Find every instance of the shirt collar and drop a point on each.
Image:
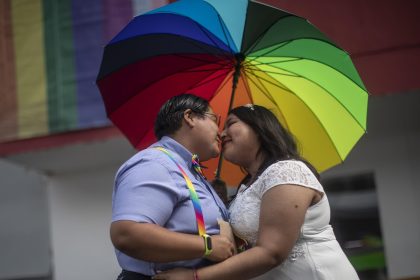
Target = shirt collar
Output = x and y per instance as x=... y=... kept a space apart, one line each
x=182 y=153
x=172 y=145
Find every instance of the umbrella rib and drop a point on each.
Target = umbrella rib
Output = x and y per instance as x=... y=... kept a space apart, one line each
x=329 y=93
x=203 y=60
x=302 y=38
x=303 y=58
x=316 y=116
x=273 y=72
x=206 y=70
x=262 y=35
x=314 y=60
x=264 y=90
x=248 y=91
x=269 y=51
x=288 y=42
x=153 y=82
x=200 y=83
x=214 y=42
x=221 y=86
x=225 y=65
x=285 y=119
x=275 y=62
x=261 y=87
x=224 y=33
x=264 y=79
x=221 y=54
x=268 y=28
x=252 y=67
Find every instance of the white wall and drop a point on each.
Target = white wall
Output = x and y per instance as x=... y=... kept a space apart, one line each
x=25 y=248
x=74 y=208
x=80 y=206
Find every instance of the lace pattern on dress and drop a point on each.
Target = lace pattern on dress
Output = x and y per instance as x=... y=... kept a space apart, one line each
x=296 y=252
x=245 y=209
x=288 y=172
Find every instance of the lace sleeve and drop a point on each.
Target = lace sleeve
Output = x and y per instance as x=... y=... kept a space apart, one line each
x=288 y=172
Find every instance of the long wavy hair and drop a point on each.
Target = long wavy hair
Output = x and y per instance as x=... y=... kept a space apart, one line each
x=276 y=142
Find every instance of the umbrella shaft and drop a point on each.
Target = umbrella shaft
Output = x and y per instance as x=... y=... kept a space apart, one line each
x=219 y=166
x=239 y=57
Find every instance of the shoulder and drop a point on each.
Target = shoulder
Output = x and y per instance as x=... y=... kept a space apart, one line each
x=288 y=166
x=148 y=161
x=293 y=172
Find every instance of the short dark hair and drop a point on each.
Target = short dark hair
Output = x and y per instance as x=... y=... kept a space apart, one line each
x=277 y=143
x=169 y=118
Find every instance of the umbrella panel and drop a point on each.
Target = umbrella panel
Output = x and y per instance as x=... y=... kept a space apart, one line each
x=136 y=116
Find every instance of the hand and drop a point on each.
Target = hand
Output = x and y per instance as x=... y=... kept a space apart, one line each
x=175 y=274
x=223 y=248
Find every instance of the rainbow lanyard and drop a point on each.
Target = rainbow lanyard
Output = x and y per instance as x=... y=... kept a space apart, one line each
x=193 y=194
x=196 y=165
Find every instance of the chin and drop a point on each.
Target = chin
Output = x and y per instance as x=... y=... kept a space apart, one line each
x=215 y=154
x=210 y=155
x=227 y=157
x=216 y=150
x=231 y=157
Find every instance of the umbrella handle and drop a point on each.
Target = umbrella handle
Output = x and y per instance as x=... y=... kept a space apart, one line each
x=219 y=166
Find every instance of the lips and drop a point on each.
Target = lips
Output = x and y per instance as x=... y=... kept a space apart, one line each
x=225 y=141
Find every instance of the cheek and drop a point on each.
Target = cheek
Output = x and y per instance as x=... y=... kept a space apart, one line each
x=251 y=142
x=208 y=135
x=245 y=144
x=236 y=142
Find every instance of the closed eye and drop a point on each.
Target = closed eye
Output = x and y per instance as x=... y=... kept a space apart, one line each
x=229 y=123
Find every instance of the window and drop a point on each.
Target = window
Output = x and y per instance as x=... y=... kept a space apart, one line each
x=355 y=219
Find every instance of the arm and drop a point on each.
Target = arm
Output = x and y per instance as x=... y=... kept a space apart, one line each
x=283 y=210
x=144 y=200
x=154 y=243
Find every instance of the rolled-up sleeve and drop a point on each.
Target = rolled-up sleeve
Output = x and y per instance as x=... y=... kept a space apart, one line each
x=144 y=192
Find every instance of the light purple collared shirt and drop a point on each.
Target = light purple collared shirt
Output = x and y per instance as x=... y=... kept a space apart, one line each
x=149 y=188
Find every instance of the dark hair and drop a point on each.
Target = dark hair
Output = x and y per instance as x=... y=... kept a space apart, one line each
x=277 y=143
x=169 y=118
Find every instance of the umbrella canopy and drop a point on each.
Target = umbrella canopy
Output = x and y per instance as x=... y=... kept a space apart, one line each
x=232 y=53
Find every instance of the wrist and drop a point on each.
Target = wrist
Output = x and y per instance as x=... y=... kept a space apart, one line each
x=208 y=246
x=195 y=275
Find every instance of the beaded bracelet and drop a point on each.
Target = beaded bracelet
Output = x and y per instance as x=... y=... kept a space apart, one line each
x=195 y=275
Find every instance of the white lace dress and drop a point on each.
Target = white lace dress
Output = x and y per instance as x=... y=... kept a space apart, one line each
x=316 y=255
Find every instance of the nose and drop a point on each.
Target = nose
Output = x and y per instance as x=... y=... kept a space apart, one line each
x=223 y=134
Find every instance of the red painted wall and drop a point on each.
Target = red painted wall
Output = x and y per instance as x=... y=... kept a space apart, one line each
x=383 y=37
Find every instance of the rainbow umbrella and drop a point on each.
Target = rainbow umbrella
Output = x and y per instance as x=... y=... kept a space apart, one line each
x=232 y=53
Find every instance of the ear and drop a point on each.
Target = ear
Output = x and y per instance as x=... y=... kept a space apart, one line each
x=188 y=118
